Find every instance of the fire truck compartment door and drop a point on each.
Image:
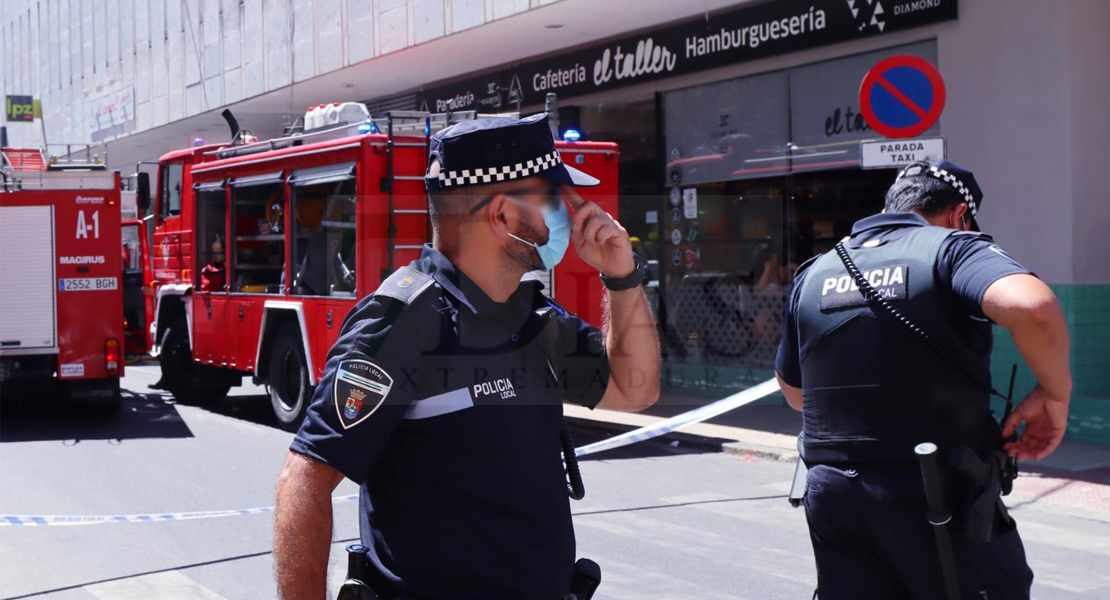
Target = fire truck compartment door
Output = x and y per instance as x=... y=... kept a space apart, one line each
x=28 y=310
x=324 y=174
x=263 y=179
x=209 y=186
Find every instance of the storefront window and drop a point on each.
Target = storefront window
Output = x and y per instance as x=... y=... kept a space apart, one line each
x=735 y=129
x=763 y=174
x=724 y=273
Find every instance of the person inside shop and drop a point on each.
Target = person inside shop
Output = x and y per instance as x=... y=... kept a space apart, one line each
x=443 y=395
x=872 y=388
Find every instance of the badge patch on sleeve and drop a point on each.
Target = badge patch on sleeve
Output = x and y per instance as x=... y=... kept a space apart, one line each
x=360 y=388
x=842 y=291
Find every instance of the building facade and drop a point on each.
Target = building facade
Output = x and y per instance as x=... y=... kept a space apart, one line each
x=739 y=122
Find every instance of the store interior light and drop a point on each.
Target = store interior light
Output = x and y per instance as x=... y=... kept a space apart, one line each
x=571 y=135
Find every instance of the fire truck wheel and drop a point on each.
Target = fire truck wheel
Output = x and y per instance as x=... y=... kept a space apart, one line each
x=290 y=390
x=186 y=380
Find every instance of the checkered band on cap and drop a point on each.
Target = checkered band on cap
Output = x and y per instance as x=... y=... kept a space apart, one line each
x=518 y=170
x=952 y=180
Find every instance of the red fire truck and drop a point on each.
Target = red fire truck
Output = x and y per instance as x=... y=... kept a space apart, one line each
x=61 y=298
x=262 y=248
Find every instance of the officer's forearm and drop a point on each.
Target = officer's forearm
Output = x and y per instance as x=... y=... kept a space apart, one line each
x=633 y=347
x=303 y=528
x=1027 y=307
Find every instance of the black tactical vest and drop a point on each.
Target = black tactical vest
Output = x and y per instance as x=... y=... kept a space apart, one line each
x=871 y=391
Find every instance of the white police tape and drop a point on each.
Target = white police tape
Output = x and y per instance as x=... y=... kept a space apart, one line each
x=625 y=439
x=19 y=520
x=686 y=419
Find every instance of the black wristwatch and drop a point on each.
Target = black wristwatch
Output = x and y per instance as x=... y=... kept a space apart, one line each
x=629 y=282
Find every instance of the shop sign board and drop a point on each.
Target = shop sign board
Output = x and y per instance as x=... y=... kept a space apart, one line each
x=21 y=108
x=113 y=109
x=887 y=154
x=736 y=36
x=902 y=96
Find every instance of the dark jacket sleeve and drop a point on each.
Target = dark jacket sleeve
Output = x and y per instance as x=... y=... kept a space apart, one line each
x=584 y=366
x=361 y=398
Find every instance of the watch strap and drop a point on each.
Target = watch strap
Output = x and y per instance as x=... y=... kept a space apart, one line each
x=626 y=283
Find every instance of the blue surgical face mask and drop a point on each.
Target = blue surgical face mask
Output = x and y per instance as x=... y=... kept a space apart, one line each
x=557 y=221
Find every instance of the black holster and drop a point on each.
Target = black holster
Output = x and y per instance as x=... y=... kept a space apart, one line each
x=586 y=579
x=355 y=587
x=979 y=485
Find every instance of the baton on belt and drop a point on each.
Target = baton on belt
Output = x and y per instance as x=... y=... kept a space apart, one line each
x=938 y=516
x=798 y=486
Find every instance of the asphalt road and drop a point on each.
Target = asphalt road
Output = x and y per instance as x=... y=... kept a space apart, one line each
x=663 y=522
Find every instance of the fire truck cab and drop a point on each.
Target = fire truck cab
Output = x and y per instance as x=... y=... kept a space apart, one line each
x=61 y=302
x=262 y=248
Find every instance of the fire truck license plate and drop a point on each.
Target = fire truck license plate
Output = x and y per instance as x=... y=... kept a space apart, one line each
x=87 y=284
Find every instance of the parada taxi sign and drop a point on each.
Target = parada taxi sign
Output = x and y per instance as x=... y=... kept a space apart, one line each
x=891 y=154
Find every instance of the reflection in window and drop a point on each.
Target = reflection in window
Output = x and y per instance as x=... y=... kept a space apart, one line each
x=324 y=238
x=258 y=252
x=171 y=189
x=210 y=237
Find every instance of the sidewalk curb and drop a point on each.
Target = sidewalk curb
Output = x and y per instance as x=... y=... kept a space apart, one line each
x=767 y=452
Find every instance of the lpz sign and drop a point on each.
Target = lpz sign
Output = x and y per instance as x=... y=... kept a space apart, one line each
x=20 y=108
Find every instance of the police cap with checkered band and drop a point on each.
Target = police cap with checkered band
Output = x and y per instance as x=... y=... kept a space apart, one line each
x=495 y=150
x=958 y=178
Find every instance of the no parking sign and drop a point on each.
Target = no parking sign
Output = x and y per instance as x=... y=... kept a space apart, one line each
x=902 y=96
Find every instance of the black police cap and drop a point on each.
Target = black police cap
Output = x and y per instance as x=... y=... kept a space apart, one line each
x=494 y=150
x=959 y=178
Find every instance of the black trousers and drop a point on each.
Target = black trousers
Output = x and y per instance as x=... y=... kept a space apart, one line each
x=871 y=541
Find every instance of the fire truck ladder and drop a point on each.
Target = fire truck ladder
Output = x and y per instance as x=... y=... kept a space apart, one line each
x=408 y=123
x=30 y=168
x=400 y=122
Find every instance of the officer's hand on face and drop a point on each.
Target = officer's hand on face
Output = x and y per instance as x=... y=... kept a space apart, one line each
x=598 y=238
x=1046 y=420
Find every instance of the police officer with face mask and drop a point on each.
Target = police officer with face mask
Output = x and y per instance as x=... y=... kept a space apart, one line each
x=443 y=395
x=871 y=387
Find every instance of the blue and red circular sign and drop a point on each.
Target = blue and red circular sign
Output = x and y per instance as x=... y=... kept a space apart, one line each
x=902 y=96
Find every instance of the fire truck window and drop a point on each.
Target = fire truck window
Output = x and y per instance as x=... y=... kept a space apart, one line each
x=324 y=239
x=171 y=190
x=132 y=249
x=258 y=251
x=211 y=239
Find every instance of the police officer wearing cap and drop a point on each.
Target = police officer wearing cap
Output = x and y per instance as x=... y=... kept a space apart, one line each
x=443 y=395
x=870 y=389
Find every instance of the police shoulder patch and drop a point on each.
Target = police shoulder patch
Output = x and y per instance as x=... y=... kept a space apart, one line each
x=360 y=389
x=405 y=284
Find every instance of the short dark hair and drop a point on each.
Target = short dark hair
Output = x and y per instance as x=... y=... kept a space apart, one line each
x=922 y=194
x=454 y=204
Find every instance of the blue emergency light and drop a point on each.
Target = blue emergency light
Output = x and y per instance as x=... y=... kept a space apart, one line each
x=571 y=135
x=367 y=127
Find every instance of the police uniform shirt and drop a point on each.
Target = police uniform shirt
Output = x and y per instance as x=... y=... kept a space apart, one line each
x=446 y=412
x=967 y=264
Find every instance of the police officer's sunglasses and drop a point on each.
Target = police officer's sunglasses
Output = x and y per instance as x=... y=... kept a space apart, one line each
x=554 y=196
